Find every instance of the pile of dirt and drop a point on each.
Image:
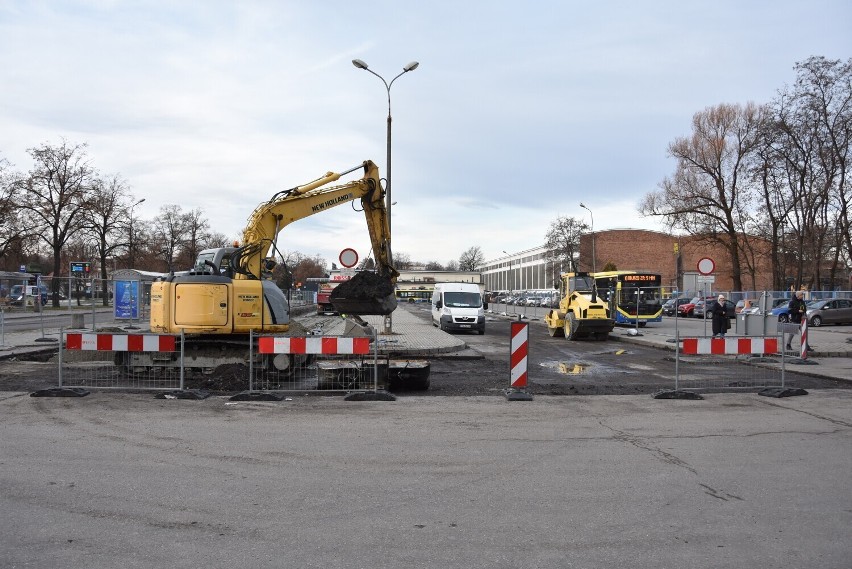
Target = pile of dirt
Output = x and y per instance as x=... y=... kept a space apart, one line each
x=365 y=293
x=364 y=285
x=226 y=378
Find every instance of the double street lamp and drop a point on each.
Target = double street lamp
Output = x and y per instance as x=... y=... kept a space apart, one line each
x=594 y=264
x=410 y=67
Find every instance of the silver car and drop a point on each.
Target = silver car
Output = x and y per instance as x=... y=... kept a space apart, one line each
x=833 y=311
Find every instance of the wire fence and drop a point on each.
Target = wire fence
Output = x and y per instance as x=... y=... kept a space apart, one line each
x=704 y=364
x=268 y=363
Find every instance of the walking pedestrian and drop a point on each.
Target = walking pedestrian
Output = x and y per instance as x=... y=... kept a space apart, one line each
x=719 y=313
x=797 y=309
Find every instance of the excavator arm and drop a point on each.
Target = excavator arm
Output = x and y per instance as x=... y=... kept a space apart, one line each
x=300 y=202
x=366 y=293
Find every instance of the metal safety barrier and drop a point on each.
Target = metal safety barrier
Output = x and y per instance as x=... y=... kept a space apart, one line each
x=268 y=363
x=316 y=363
x=732 y=363
x=121 y=361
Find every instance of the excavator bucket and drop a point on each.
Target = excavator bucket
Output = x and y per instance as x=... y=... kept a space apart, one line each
x=365 y=293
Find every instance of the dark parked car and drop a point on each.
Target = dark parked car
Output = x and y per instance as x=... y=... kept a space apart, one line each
x=730 y=309
x=671 y=305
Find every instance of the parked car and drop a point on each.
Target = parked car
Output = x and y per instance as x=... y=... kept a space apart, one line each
x=700 y=310
x=730 y=309
x=783 y=311
x=745 y=305
x=671 y=305
x=685 y=309
x=833 y=311
x=688 y=308
x=550 y=300
x=773 y=304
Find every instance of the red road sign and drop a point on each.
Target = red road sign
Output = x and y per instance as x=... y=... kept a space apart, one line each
x=348 y=257
x=706 y=266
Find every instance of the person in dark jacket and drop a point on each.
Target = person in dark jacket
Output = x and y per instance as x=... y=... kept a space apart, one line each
x=719 y=314
x=797 y=308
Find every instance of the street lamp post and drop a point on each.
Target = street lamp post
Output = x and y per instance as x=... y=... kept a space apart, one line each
x=130 y=244
x=594 y=263
x=388 y=321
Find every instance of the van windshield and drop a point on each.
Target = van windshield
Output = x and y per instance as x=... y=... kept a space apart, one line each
x=462 y=299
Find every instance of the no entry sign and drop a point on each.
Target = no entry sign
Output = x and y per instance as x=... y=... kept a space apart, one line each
x=706 y=266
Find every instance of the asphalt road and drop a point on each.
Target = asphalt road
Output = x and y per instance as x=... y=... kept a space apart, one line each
x=118 y=480
x=469 y=481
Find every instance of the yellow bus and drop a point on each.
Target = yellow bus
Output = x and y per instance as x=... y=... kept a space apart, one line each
x=625 y=290
x=419 y=293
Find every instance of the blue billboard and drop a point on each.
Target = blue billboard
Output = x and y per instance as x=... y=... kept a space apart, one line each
x=127 y=299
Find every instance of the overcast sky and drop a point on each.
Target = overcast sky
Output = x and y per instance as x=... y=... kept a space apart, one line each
x=516 y=114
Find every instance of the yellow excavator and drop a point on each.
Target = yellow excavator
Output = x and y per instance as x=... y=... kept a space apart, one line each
x=227 y=293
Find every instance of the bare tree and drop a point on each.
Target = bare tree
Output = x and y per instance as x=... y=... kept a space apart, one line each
x=401 y=261
x=471 y=259
x=197 y=230
x=562 y=239
x=215 y=239
x=170 y=233
x=309 y=267
x=11 y=228
x=823 y=92
x=54 y=196
x=297 y=268
x=708 y=195
x=104 y=221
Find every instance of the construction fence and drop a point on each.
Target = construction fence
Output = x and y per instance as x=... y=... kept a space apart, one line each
x=263 y=363
x=706 y=364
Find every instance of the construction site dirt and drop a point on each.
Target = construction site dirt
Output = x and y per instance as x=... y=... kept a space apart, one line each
x=588 y=368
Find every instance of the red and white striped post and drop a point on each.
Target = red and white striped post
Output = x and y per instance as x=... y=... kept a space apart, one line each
x=730 y=346
x=518 y=360
x=803 y=349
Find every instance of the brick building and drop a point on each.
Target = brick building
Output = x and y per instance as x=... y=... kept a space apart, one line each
x=675 y=258
x=672 y=257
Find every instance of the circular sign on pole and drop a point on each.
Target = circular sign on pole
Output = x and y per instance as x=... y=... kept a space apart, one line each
x=348 y=258
x=706 y=266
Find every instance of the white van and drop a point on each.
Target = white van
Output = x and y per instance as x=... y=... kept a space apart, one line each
x=458 y=306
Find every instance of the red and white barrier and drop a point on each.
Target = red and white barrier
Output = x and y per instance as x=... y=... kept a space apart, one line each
x=519 y=352
x=803 y=348
x=730 y=346
x=121 y=342
x=327 y=345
